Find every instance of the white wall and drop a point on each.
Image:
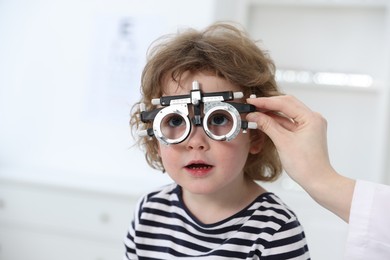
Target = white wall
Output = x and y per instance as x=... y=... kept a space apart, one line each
x=68 y=78
x=340 y=37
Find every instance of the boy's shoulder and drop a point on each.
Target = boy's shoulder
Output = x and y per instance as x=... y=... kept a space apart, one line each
x=269 y=201
x=162 y=191
x=168 y=193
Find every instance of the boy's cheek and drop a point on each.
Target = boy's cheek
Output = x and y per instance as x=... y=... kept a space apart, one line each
x=159 y=149
x=162 y=149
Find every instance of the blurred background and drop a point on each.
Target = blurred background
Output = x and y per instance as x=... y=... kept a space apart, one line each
x=69 y=74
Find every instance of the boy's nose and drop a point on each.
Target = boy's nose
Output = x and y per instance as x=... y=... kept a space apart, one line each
x=197 y=140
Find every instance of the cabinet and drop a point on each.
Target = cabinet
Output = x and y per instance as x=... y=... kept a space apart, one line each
x=42 y=222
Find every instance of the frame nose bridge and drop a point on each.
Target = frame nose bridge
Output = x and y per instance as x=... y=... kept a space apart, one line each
x=195 y=114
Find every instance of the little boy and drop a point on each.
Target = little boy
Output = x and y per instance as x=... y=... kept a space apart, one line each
x=191 y=123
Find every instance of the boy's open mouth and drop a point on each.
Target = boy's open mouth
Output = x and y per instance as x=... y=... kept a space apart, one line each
x=198 y=166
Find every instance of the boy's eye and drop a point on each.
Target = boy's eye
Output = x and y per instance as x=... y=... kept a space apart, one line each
x=218 y=120
x=175 y=121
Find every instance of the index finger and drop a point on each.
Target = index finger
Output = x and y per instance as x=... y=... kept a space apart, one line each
x=287 y=105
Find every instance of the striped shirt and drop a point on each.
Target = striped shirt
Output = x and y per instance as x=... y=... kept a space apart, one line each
x=164 y=229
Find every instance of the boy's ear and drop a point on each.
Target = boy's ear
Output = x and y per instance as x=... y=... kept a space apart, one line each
x=257 y=141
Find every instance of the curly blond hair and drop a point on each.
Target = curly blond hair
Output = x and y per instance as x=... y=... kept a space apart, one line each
x=225 y=50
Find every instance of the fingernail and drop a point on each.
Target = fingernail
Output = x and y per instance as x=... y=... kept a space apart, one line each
x=252 y=116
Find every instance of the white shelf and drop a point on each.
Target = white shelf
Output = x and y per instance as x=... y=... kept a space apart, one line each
x=321 y=3
x=374 y=89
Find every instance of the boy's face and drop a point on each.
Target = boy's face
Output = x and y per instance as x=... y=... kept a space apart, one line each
x=199 y=164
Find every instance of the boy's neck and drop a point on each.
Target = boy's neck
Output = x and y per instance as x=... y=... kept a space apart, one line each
x=212 y=208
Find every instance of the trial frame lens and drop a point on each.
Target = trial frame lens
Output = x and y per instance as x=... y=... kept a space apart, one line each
x=171 y=124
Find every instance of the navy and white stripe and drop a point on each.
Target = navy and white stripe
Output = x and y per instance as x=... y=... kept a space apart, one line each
x=164 y=229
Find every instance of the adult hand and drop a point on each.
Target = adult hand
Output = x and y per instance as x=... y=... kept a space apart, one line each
x=300 y=137
x=298 y=133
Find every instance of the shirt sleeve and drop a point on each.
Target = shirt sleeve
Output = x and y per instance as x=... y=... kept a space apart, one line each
x=130 y=237
x=289 y=242
x=369 y=223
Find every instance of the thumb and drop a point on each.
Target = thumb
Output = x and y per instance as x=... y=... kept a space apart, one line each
x=267 y=124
